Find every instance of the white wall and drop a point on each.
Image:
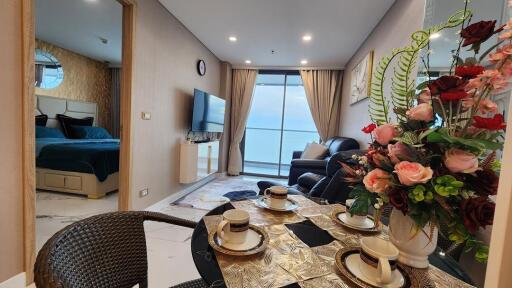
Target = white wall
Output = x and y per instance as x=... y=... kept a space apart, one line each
x=165 y=76
x=393 y=31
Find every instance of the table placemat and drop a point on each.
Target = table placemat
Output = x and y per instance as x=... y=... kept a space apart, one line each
x=288 y=260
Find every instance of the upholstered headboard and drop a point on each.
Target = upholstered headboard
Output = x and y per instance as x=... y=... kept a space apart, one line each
x=52 y=106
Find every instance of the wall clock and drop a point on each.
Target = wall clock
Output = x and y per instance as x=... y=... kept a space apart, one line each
x=361 y=77
x=201 y=67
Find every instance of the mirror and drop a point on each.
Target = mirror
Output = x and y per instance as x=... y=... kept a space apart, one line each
x=48 y=71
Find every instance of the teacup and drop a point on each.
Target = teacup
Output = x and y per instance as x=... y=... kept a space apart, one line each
x=234 y=226
x=378 y=259
x=277 y=196
x=356 y=220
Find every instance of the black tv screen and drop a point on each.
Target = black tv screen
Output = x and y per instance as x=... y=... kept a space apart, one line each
x=208 y=113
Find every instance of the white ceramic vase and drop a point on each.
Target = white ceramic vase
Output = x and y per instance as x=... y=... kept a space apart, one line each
x=414 y=245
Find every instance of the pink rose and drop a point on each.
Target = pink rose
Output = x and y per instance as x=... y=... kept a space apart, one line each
x=460 y=161
x=385 y=133
x=475 y=83
x=505 y=35
x=425 y=96
x=422 y=112
x=377 y=181
x=399 y=152
x=411 y=173
x=487 y=106
x=497 y=56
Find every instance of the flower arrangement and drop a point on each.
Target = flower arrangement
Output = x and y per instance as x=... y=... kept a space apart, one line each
x=439 y=172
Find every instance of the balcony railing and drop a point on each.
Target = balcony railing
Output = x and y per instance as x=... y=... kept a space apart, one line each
x=268 y=151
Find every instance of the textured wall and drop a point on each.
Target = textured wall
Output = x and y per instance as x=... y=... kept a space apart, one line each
x=85 y=79
x=165 y=76
x=11 y=196
x=394 y=30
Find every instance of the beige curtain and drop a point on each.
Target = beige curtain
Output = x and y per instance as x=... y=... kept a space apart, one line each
x=241 y=97
x=323 y=91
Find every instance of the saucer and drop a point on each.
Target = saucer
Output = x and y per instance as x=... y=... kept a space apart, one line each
x=340 y=217
x=290 y=205
x=256 y=241
x=348 y=262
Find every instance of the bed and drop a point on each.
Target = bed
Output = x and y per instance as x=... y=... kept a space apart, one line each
x=80 y=166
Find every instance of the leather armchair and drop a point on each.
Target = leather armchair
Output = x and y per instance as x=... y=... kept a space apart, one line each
x=318 y=166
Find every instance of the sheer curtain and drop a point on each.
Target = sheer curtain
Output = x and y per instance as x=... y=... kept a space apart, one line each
x=241 y=97
x=323 y=91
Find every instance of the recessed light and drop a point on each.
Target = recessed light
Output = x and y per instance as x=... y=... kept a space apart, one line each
x=306 y=38
x=304 y=62
x=435 y=35
x=248 y=62
x=232 y=38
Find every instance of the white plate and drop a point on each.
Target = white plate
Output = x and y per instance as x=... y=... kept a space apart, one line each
x=367 y=225
x=264 y=202
x=353 y=263
x=253 y=240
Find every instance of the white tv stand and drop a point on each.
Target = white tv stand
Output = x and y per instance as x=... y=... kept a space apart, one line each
x=198 y=160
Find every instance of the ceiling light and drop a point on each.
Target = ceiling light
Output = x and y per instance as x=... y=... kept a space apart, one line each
x=232 y=38
x=248 y=62
x=435 y=35
x=306 y=38
x=304 y=62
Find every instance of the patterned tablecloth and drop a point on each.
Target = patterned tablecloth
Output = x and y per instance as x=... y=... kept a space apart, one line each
x=288 y=260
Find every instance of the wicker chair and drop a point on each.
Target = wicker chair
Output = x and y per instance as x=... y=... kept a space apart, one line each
x=106 y=250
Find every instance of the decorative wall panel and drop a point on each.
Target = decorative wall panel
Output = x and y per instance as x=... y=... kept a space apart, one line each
x=85 y=79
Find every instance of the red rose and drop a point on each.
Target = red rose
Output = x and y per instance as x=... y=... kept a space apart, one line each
x=484 y=182
x=495 y=123
x=369 y=129
x=469 y=72
x=479 y=32
x=398 y=198
x=449 y=88
x=477 y=212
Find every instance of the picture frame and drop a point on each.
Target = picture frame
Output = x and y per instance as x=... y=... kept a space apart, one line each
x=361 y=79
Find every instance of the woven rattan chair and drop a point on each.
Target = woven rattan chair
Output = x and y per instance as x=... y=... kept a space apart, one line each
x=106 y=250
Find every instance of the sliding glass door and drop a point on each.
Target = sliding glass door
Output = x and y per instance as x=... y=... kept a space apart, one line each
x=279 y=123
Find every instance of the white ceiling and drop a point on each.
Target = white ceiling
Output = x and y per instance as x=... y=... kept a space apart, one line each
x=338 y=28
x=442 y=46
x=77 y=25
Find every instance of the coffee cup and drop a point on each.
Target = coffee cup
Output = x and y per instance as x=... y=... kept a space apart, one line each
x=378 y=259
x=356 y=220
x=277 y=196
x=234 y=226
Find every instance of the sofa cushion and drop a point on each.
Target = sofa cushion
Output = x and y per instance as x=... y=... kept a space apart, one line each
x=314 y=151
x=337 y=144
x=308 y=180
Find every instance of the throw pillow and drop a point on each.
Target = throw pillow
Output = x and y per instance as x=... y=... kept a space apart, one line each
x=89 y=132
x=66 y=122
x=314 y=151
x=47 y=132
x=41 y=120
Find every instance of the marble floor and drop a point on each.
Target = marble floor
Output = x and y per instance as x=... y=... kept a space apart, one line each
x=169 y=259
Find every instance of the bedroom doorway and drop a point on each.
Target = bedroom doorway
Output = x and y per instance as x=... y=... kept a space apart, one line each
x=117 y=124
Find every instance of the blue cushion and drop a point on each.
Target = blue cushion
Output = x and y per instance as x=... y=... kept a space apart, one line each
x=47 y=132
x=89 y=132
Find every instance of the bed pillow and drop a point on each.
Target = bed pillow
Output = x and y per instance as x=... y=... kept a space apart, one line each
x=47 y=132
x=314 y=151
x=41 y=120
x=90 y=132
x=66 y=122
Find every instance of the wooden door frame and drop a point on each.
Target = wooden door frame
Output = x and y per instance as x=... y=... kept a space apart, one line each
x=28 y=133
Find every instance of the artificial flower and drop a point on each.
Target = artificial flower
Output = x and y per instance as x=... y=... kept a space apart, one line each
x=478 y=32
x=474 y=84
x=425 y=96
x=411 y=173
x=400 y=152
x=495 y=123
x=487 y=106
x=505 y=35
x=469 y=71
x=377 y=181
x=467 y=103
x=449 y=88
x=497 y=56
x=477 y=212
x=369 y=129
x=460 y=161
x=385 y=133
x=421 y=112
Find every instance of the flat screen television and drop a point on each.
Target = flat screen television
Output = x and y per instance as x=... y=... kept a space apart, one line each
x=208 y=113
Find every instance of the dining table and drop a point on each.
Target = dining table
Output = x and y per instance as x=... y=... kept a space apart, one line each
x=301 y=251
